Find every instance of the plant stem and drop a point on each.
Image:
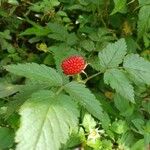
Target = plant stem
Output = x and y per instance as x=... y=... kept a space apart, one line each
x=92 y=76
x=59 y=90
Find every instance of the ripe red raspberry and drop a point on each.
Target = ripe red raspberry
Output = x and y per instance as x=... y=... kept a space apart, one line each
x=73 y=65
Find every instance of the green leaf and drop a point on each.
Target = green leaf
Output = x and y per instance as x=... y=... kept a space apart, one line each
x=131 y=45
x=8 y=89
x=94 y=63
x=56 y=34
x=88 y=45
x=143 y=22
x=84 y=97
x=77 y=137
x=5 y=35
x=123 y=105
x=44 y=6
x=127 y=140
x=147 y=138
x=119 y=127
x=37 y=72
x=147 y=133
x=118 y=81
x=37 y=30
x=49 y=118
x=138 y=123
x=24 y=94
x=88 y=122
x=120 y=6
x=106 y=105
x=6 y=137
x=146 y=106
x=112 y=55
x=139 y=145
x=61 y=34
x=138 y=68
x=143 y=2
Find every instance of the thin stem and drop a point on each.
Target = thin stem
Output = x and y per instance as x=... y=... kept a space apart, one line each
x=92 y=76
x=131 y=2
x=59 y=90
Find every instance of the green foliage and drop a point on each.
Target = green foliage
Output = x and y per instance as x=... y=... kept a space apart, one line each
x=37 y=72
x=82 y=95
x=120 y=6
x=119 y=126
x=105 y=107
x=49 y=118
x=44 y=6
x=6 y=137
x=112 y=55
x=144 y=24
x=123 y=105
x=8 y=89
x=137 y=68
x=24 y=93
x=118 y=81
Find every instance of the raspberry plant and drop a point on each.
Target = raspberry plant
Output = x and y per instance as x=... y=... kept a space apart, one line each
x=75 y=75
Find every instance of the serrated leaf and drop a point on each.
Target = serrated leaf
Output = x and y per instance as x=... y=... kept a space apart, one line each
x=84 y=97
x=144 y=18
x=88 y=45
x=71 y=39
x=112 y=55
x=61 y=34
x=49 y=118
x=118 y=81
x=37 y=72
x=138 y=68
x=120 y=6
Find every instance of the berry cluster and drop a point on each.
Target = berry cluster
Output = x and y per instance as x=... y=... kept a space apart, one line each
x=73 y=65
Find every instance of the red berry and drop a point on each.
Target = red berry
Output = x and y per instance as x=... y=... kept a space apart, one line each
x=73 y=65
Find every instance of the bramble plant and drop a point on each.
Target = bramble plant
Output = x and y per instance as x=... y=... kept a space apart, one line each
x=75 y=75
